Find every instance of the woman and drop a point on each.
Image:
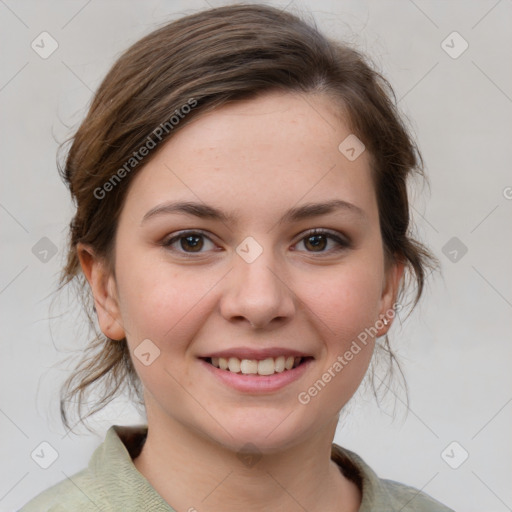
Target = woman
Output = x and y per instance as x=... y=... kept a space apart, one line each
x=242 y=224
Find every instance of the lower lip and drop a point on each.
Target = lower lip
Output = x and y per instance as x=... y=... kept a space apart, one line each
x=258 y=383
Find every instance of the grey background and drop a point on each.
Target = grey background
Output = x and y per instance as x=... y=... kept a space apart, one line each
x=456 y=347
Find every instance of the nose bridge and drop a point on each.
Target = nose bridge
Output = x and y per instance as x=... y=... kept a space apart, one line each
x=257 y=288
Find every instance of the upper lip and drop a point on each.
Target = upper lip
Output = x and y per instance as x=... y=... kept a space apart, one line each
x=252 y=353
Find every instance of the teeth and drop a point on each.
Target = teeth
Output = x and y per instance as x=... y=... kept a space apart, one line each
x=234 y=364
x=279 y=364
x=248 y=366
x=267 y=366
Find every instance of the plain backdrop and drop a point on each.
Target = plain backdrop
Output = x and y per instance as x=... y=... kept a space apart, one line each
x=455 y=348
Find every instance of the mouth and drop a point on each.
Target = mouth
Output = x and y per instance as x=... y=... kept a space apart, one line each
x=257 y=367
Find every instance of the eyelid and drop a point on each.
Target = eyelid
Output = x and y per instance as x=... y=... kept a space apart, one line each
x=168 y=240
x=341 y=240
x=323 y=231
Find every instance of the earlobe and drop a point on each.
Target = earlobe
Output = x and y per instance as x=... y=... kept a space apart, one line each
x=104 y=291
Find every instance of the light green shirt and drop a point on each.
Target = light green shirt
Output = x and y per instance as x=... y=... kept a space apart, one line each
x=112 y=483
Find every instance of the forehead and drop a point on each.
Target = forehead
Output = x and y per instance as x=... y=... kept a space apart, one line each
x=256 y=157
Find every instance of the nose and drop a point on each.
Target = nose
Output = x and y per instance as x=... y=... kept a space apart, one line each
x=258 y=293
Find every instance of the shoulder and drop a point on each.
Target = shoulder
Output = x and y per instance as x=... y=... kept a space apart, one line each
x=109 y=483
x=410 y=499
x=381 y=495
x=64 y=496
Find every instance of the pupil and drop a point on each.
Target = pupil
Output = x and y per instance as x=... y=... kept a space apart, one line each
x=318 y=243
x=190 y=242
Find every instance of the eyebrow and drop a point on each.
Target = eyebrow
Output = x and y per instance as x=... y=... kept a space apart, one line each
x=295 y=214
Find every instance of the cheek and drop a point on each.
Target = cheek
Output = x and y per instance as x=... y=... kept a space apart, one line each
x=159 y=302
x=345 y=306
x=346 y=300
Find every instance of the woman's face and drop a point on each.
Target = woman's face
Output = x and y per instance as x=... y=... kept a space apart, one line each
x=215 y=264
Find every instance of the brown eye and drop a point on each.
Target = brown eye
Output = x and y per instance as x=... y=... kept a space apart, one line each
x=193 y=242
x=317 y=241
x=189 y=242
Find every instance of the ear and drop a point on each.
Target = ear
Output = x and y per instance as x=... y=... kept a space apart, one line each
x=393 y=276
x=104 y=290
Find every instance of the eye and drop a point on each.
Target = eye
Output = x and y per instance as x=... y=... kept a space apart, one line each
x=317 y=240
x=190 y=242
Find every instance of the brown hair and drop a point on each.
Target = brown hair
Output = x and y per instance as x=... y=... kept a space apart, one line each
x=204 y=61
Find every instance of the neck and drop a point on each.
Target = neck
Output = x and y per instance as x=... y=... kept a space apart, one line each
x=192 y=473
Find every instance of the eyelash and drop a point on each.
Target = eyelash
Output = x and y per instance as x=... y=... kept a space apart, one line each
x=342 y=243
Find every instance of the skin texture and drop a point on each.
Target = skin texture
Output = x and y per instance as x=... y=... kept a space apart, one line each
x=255 y=160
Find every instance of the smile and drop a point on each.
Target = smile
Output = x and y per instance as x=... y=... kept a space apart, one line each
x=263 y=367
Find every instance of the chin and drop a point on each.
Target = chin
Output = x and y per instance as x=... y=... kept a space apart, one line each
x=264 y=431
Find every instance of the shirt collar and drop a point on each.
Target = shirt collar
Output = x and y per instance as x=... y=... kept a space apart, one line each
x=113 y=462
x=374 y=495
